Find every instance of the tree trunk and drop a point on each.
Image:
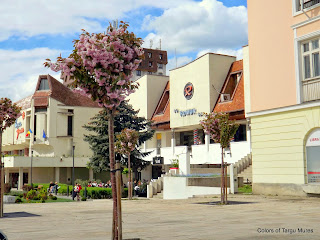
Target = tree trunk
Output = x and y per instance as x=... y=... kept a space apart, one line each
x=1 y=178
x=129 y=179
x=118 y=177
x=222 y=179
x=113 y=176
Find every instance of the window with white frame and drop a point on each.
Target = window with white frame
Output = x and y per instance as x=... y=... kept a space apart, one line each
x=311 y=58
x=305 y=4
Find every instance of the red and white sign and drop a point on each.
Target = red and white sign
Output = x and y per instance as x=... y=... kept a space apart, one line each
x=314 y=138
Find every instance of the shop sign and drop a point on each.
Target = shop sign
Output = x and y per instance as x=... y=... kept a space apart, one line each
x=157 y=160
x=188 y=112
x=314 y=138
x=188 y=91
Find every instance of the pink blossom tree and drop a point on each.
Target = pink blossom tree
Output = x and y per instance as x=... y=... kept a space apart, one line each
x=221 y=130
x=102 y=65
x=125 y=144
x=8 y=114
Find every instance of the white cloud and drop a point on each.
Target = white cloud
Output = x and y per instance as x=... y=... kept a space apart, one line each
x=19 y=71
x=199 y=25
x=180 y=61
x=231 y=52
x=34 y=17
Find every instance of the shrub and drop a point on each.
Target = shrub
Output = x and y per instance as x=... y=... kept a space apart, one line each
x=83 y=199
x=54 y=198
x=21 y=195
x=18 y=200
x=26 y=188
x=36 y=197
x=31 y=194
x=7 y=187
x=15 y=193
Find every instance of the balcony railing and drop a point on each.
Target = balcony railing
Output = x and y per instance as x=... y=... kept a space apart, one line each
x=311 y=90
x=307 y=4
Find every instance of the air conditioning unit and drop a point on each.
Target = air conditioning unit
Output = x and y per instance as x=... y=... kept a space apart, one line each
x=224 y=97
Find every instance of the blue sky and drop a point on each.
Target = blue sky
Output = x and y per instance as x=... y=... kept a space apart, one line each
x=34 y=30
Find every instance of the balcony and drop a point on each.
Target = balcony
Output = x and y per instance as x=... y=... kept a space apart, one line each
x=307 y=4
x=311 y=89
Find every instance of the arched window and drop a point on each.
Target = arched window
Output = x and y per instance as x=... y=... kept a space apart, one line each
x=313 y=156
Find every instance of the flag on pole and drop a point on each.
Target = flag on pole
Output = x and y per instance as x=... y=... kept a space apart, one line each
x=28 y=133
x=44 y=134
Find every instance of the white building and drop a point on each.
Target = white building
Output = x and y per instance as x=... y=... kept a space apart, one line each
x=55 y=115
x=177 y=106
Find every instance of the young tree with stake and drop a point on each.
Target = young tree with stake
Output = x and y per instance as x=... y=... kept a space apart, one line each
x=221 y=130
x=102 y=65
x=125 y=144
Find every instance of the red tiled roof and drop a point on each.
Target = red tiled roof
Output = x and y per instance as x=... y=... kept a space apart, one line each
x=236 y=104
x=161 y=119
x=60 y=93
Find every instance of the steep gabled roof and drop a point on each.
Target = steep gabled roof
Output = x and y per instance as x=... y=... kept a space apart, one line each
x=235 y=106
x=60 y=93
x=161 y=115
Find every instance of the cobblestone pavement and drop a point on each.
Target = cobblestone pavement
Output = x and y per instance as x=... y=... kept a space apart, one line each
x=249 y=217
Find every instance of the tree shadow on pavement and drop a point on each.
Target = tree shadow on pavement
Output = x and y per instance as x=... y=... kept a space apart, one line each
x=20 y=214
x=218 y=203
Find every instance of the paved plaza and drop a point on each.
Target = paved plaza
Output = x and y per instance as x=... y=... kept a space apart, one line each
x=250 y=217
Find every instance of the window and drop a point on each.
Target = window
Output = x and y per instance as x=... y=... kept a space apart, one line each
x=306 y=4
x=311 y=59
x=150 y=64
x=150 y=73
x=160 y=56
x=241 y=134
x=138 y=73
x=149 y=54
x=69 y=125
x=44 y=85
x=160 y=65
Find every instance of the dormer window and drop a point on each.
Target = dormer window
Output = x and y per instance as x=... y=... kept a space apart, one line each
x=44 y=85
x=150 y=64
x=149 y=54
x=160 y=56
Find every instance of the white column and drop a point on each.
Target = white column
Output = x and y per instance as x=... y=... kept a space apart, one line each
x=144 y=146
x=6 y=175
x=173 y=141
x=233 y=179
x=207 y=141
x=20 y=179
x=184 y=164
x=57 y=174
x=90 y=174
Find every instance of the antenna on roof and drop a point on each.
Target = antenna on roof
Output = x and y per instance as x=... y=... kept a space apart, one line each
x=151 y=43
x=115 y=24
x=160 y=44
x=175 y=55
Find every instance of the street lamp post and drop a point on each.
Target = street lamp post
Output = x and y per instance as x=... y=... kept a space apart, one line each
x=31 y=170
x=73 y=147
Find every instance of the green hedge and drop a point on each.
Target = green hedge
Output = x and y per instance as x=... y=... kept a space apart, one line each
x=101 y=193
x=92 y=192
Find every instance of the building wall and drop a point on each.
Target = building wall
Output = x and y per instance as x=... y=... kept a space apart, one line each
x=148 y=95
x=272 y=63
x=246 y=74
x=278 y=150
x=208 y=70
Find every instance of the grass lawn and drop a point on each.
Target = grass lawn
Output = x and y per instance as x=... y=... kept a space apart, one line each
x=246 y=189
x=47 y=201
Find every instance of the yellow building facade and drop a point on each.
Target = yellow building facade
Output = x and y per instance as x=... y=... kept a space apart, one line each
x=282 y=88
